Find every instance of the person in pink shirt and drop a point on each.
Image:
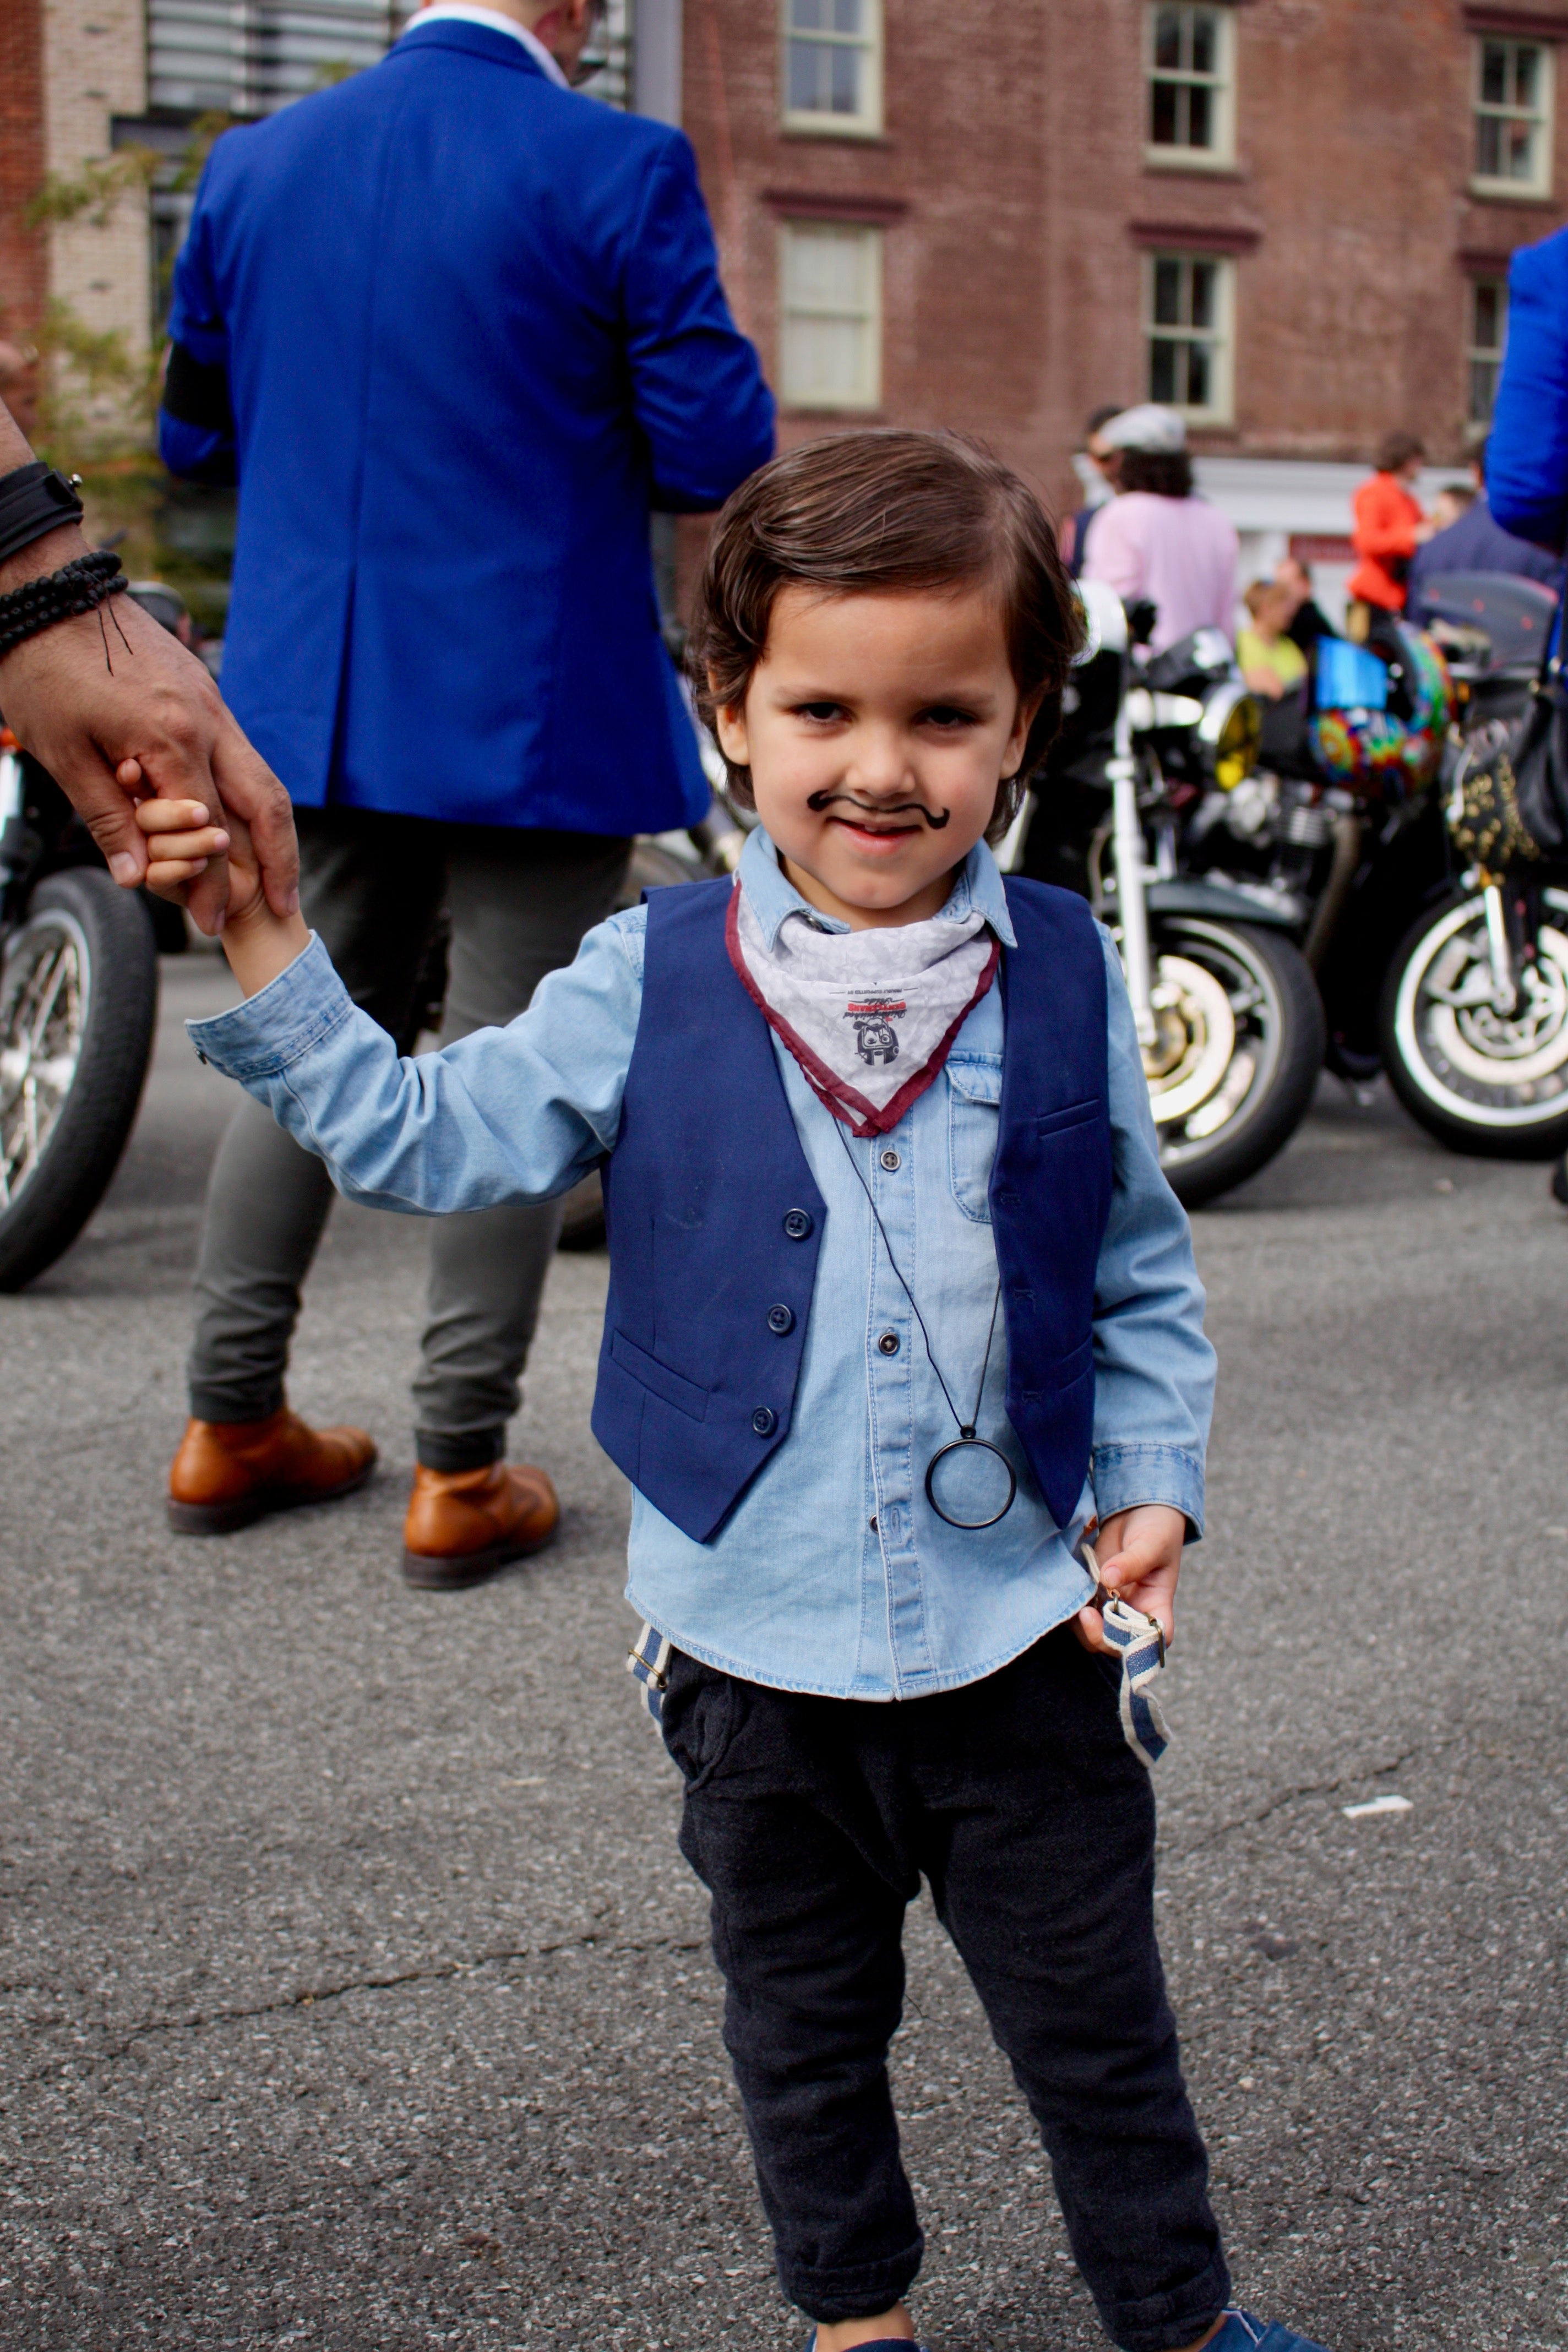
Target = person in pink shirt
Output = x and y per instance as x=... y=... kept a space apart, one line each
x=1156 y=540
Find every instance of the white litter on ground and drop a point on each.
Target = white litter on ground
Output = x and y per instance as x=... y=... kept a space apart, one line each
x=1375 y=1805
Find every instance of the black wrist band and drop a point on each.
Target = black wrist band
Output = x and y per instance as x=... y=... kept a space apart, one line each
x=37 y=604
x=34 y=500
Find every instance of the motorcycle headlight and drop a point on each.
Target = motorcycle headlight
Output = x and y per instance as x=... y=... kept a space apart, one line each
x=1232 y=732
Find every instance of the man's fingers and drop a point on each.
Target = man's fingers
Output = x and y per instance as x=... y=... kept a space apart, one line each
x=251 y=791
x=112 y=825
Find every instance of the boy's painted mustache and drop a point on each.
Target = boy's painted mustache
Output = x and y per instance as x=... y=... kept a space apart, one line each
x=819 y=801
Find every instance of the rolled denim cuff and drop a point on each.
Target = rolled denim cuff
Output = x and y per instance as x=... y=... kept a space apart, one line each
x=1126 y=1476
x=280 y=1023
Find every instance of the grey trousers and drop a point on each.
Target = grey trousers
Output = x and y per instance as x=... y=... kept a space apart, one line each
x=373 y=886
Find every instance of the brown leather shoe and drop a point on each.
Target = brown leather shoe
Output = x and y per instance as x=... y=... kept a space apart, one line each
x=228 y=1473
x=463 y=1525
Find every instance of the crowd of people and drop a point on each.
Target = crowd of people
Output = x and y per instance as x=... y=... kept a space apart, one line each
x=1146 y=531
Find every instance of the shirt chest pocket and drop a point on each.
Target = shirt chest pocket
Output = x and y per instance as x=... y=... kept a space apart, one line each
x=973 y=1115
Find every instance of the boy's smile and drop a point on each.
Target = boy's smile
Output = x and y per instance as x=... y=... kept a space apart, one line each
x=877 y=728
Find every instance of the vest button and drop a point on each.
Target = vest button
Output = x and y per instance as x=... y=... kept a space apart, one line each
x=781 y=1320
x=888 y=1343
x=764 y=1421
x=797 y=1224
x=891 y=1159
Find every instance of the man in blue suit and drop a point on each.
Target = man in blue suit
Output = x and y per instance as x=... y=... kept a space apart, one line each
x=455 y=331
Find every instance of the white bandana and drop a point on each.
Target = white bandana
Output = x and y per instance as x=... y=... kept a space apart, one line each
x=869 y=1015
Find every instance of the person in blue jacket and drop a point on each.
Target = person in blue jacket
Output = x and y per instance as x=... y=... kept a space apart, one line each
x=1527 y=452
x=456 y=331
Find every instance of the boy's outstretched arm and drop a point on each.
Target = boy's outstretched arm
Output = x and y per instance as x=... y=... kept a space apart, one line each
x=503 y=1116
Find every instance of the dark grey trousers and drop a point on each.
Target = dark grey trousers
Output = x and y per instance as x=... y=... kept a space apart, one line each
x=374 y=886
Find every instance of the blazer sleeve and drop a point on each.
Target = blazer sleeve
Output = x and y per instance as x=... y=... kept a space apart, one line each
x=196 y=437
x=696 y=382
x=1527 y=455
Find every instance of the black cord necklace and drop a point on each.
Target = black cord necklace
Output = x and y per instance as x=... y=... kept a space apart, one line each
x=966 y=1444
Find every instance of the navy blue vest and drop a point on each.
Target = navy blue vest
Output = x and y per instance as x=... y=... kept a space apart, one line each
x=715 y=1220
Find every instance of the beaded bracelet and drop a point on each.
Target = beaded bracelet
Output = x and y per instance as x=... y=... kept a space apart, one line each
x=77 y=587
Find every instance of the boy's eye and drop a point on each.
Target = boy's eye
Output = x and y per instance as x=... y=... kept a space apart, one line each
x=946 y=715
x=821 y=712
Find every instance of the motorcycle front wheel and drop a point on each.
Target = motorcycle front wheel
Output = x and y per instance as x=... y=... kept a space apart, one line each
x=1492 y=1085
x=1239 y=1040
x=79 y=997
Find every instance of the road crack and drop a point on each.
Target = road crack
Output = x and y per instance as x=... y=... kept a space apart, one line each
x=320 y=1996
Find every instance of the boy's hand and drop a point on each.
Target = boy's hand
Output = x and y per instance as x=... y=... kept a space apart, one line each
x=1138 y=1553
x=181 y=842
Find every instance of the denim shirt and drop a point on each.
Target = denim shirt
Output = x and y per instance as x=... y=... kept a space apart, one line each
x=833 y=1574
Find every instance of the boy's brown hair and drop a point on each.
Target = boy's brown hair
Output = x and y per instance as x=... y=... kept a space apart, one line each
x=878 y=513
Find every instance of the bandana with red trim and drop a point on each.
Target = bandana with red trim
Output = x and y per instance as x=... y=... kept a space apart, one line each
x=870 y=1016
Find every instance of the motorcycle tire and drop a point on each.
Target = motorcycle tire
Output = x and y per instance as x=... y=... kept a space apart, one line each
x=79 y=1000
x=1270 y=994
x=1491 y=1087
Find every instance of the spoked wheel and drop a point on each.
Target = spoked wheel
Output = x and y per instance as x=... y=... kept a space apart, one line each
x=1239 y=1042
x=1484 y=1082
x=78 y=994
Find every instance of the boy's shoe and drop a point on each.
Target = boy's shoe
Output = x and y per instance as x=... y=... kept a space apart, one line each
x=877 y=2344
x=464 y=1524
x=1243 y=2332
x=227 y=1473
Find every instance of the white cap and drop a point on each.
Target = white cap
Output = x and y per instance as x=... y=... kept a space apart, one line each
x=1149 y=427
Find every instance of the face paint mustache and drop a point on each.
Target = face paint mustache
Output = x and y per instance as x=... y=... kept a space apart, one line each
x=820 y=801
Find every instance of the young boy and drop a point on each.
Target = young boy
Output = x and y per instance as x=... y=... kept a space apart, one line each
x=899 y=1303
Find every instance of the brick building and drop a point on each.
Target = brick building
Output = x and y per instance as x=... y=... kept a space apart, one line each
x=1292 y=218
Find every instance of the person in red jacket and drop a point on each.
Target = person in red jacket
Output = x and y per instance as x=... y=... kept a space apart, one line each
x=1389 y=528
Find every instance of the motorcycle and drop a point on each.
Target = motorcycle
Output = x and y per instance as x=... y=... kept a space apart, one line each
x=1228 y=1020
x=79 y=1005
x=1473 y=1019
x=79 y=999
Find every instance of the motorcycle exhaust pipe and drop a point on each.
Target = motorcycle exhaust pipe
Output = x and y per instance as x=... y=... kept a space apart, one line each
x=1336 y=889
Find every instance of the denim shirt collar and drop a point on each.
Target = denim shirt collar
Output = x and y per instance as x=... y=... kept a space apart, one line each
x=977 y=888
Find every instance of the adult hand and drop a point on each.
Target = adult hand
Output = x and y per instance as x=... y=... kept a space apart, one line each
x=111 y=687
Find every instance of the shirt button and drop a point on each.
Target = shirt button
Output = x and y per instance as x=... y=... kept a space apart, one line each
x=764 y=1421
x=797 y=1224
x=781 y=1320
x=888 y=1343
x=891 y=1159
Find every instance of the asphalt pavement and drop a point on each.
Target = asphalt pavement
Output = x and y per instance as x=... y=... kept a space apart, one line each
x=354 y=1994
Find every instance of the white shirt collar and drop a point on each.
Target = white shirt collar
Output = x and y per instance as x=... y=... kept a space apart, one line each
x=466 y=12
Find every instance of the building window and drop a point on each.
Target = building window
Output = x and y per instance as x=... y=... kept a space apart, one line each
x=1484 y=349
x=833 y=66
x=1188 y=305
x=1192 y=85
x=1514 y=118
x=830 y=353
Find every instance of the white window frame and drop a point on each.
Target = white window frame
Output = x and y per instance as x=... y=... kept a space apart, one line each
x=1220 y=337
x=1543 y=116
x=868 y=123
x=1221 y=83
x=792 y=394
x=1479 y=354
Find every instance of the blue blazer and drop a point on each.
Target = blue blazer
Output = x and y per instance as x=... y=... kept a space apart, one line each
x=1527 y=455
x=457 y=331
